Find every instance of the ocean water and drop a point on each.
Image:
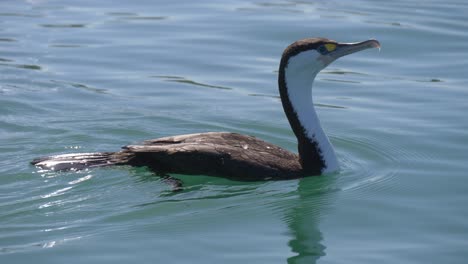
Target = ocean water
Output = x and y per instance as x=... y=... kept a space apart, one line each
x=84 y=76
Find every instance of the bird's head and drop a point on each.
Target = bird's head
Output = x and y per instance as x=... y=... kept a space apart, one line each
x=314 y=54
x=300 y=63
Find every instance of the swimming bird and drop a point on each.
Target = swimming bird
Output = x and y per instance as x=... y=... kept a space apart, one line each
x=237 y=156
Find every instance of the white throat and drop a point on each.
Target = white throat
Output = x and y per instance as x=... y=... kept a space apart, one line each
x=299 y=76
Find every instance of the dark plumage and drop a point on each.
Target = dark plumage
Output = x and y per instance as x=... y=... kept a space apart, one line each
x=230 y=155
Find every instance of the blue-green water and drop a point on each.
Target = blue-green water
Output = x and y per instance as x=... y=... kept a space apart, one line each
x=96 y=75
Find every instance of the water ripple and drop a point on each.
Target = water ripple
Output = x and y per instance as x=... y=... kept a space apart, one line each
x=343 y=72
x=22 y=66
x=7 y=40
x=315 y=104
x=36 y=245
x=63 y=25
x=20 y=15
x=338 y=80
x=82 y=86
x=144 y=17
x=190 y=82
x=66 y=46
x=56 y=193
x=80 y=180
x=362 y=157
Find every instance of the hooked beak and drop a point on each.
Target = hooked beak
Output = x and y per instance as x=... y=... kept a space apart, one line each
x=344 y=49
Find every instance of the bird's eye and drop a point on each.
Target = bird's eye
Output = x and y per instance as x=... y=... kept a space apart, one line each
x=326 y=48
x=323 y=50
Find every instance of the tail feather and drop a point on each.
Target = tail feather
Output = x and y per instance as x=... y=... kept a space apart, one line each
x=75 y=161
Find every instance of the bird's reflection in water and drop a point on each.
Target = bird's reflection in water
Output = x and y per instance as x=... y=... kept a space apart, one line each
x=314 y=196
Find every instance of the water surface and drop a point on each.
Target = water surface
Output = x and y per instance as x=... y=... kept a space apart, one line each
x=96 y=75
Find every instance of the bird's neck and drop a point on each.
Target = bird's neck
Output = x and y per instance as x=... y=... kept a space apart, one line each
x=315 y=150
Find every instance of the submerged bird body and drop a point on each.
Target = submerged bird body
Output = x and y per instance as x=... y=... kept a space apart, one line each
x=237 y=156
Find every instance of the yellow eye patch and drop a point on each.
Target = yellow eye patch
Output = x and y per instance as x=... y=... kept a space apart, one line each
x=330 y=47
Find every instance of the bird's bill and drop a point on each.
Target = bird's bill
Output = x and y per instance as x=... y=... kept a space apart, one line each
x=344 y=49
